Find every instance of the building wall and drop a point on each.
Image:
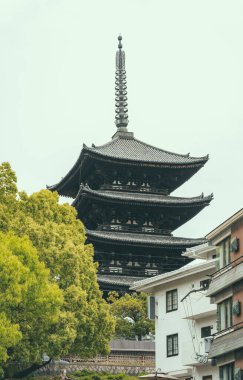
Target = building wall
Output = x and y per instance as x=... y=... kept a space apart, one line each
x=188 y=330
x=235 y=290
x=206 y=370
x=237 y=231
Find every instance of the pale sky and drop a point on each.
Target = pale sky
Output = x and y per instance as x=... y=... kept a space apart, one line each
x=184 y=62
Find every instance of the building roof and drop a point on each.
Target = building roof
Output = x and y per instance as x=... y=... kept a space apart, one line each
x=195 y=266
x=124 y=146
x=121 y=238
x=225 y=225
x=138 y=198
x=115 y=279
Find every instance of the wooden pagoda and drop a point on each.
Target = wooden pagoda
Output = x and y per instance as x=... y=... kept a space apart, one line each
x=121 y=192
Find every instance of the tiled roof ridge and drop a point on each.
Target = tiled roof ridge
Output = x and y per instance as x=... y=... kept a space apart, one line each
x=95 y=148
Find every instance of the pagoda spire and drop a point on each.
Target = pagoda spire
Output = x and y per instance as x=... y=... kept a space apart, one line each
x=121 y=119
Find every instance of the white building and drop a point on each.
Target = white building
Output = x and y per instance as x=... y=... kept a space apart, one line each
x=184 y=317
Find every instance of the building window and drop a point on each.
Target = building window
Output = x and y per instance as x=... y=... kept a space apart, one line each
x=205 y=331
x=224 y=311
x=209 y=377
x=224 y=252
x=226 y=372
x=172 y=345
x=171 y=300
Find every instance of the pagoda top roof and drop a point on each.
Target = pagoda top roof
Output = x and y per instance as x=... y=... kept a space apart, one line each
x=169 y=242
x=124 y=147
x=148 y=198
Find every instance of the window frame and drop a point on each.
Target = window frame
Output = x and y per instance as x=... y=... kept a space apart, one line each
x=175 y=347
x=225 y=314
x=203 y=330
x=224 y=252
x=171 y=293
x=228 y=370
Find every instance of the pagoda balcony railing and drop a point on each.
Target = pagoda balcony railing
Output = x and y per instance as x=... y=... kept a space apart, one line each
x=121 y=271
x=133 y=188
x=133 y=229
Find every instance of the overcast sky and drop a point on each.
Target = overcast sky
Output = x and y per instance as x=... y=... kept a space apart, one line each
x=184 y=62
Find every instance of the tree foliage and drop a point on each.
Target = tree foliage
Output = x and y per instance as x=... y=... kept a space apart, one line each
x=130 y=312
x=81 y=323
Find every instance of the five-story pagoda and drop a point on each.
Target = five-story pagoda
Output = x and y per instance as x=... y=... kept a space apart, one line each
x=121 y=192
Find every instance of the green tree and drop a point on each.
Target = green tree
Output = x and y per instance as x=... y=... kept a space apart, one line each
x=29 y=302
x=130 y=312
x=85 y=325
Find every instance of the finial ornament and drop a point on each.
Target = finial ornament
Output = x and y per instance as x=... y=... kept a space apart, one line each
x=121 y=119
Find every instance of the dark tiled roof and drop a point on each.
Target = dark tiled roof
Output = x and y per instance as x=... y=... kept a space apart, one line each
x=123 y=196
x=125 y=148
x=143 y=239
x=135 y=150
x=118 y=280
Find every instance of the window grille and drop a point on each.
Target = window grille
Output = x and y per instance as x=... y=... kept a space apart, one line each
x=172 y=345
x=171 y=300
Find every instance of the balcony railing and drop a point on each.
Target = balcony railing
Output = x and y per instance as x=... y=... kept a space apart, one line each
x=227 y=340
x=133 y=229
x=129 y=271
x=228 y=330
x=226 y=276
x=227 y=267
x=133 y=188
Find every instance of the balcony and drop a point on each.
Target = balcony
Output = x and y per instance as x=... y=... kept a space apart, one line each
x=133 y=229
x=190 y=358
x=226 y=276
x=227 y=340
x=134 y=188
x=200 y=307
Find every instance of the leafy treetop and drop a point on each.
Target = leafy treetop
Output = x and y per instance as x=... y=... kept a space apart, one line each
x=84 y=325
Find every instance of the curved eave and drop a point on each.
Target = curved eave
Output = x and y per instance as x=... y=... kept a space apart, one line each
x=193 y=162
x=132 y=239
x=67 y=179
x=64 y=185
x=141 y=199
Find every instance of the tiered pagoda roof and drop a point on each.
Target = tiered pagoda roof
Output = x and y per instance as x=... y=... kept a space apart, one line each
x=121 y=191
x=125 y=150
